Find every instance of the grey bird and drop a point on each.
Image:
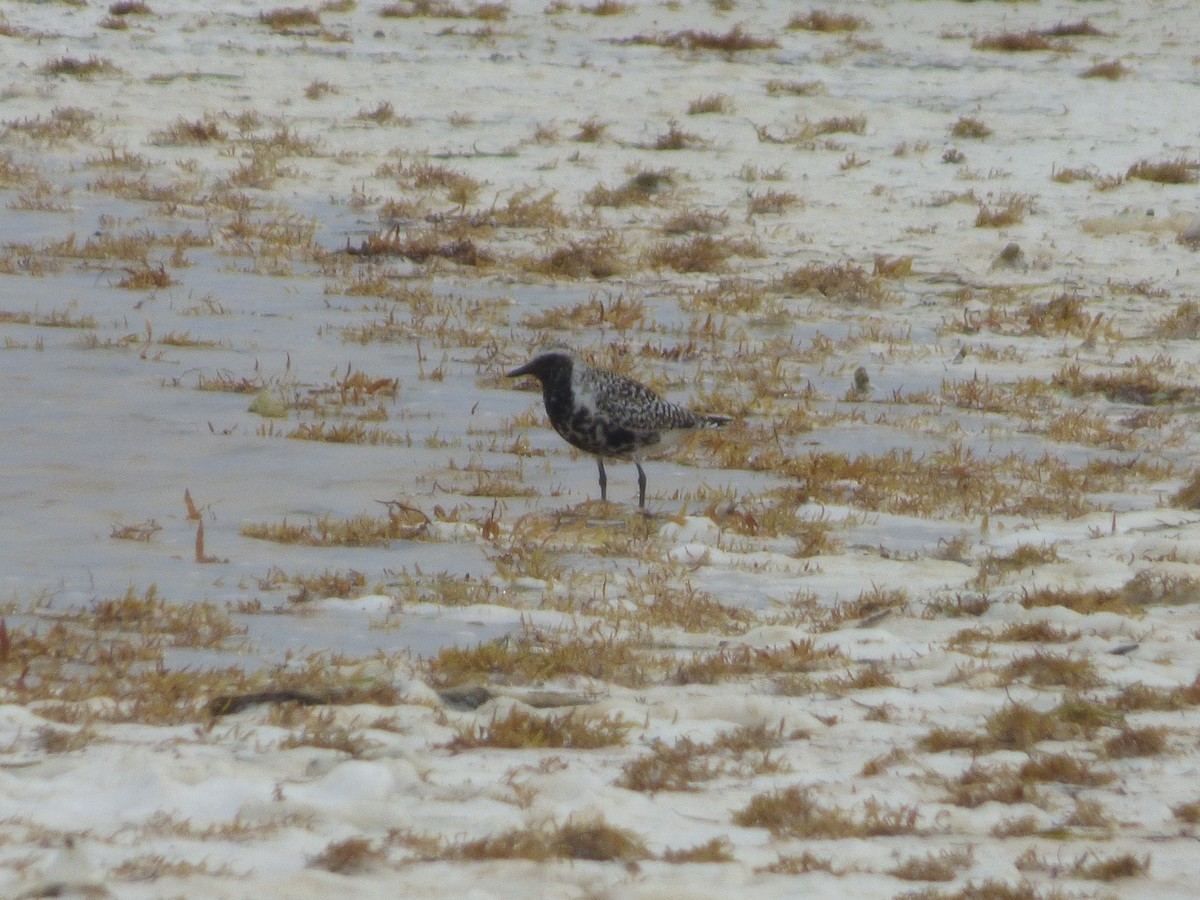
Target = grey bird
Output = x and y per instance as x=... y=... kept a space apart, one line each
x=607 y=414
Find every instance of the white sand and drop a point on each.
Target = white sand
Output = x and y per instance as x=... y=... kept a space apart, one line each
x=105 y=428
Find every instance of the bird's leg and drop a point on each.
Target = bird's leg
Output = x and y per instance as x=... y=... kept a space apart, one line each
x=641 y=485
x=603 y=478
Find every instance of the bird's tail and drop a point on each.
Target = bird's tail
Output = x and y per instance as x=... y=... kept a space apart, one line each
x=714 y=421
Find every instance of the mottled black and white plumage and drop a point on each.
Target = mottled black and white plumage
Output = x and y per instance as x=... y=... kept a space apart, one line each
x=608 y=414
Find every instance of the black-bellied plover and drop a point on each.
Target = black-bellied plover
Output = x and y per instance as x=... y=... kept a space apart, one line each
x=608 y=414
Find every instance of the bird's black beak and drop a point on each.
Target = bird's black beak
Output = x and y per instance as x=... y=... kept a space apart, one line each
x=521 y=370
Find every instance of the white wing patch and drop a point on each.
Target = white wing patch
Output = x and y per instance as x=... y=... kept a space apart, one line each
x=583 y=388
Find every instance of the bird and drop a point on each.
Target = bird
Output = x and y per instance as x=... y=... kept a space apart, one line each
x=609 y=415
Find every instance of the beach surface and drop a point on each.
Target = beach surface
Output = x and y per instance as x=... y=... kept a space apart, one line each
x=300 y=596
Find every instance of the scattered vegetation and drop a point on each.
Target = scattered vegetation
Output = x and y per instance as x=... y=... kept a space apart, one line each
x=776 y=88
x=590 y=131
x=1018 y=42
x=1139 y=383
x=143 y=531
x=317 y=89
x=1180 y=170
x=129 y=8
x=640 y=190
x=795 y=813
x=1018 y=726
x=521 y=729
x=698 y=221
x=351 y=856
x=736 y=40
x=537 y=657
x=701 y=253
x=1094 y=867
x=598 y=257
x=1081 y=28
x=1042 y=669
x=443 y=9
x=682 y=766
x=585 y=839
x=1188 y=813
x=146 y=277
x=717 y=850
x=330 y=583
x=797 y=658
x=402 y=523
x=968 y=127
x=182 y=133
x=1182 y=323
x=290 y=19
x=114 y=648
x=66 y=318
x=711 y=104
x=1009 y=209
x=842 y=282
x=606 y=8
x=944 y=865
x=1136 y=742
x=1112 y=70
x=733 y=336
x=771 y=202
x=1188 y=496
x=675 y=138
x=824 y=20
x=72 y=67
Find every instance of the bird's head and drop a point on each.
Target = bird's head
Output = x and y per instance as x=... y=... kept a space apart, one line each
x=546 y=364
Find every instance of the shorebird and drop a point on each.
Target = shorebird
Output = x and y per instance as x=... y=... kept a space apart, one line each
x=607 y=414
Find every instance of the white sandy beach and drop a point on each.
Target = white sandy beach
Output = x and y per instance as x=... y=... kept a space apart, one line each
x=935 y=637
